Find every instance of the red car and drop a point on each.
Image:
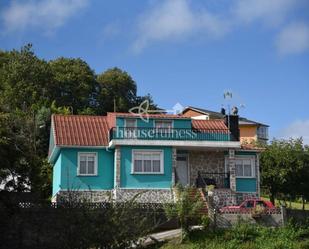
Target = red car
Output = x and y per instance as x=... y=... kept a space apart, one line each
x=249 y=204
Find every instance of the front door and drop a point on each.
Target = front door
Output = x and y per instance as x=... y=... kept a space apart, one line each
x=182 y=170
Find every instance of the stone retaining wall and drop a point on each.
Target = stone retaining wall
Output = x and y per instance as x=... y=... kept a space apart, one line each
x=144 y=195
x=240 y=197
x=80 y=196
x=140 y=195
x=222 y=197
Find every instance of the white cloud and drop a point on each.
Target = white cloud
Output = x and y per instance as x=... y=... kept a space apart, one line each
x=297 y=129
x=173 y=20
x=45 y=14
x=271 y=12
x=111 y=30
x=293 y=39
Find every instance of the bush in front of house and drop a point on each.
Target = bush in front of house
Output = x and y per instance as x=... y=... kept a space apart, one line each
x=186 y=209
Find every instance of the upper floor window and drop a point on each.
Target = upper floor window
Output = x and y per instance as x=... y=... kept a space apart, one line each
x=87 y=164
x=130 y=123
x=130 y=128
x=163 y=126
x=147 y=162
x=262 y=132
x=245 y=167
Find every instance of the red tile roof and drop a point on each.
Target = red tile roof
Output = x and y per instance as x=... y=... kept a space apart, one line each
x=80 y=130
x=251 y=147
x=214 y=124
x=83 y=130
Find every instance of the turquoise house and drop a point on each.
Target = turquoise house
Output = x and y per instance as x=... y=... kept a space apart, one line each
x=114 y=157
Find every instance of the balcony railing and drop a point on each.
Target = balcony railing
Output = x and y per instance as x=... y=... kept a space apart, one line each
x=219 y=180
x=171 y=134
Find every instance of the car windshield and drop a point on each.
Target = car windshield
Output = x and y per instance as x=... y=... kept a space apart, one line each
x=261 y=204
x=249 y=204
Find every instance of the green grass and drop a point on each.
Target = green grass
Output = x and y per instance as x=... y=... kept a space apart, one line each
x=293 y=205
x=244 y=236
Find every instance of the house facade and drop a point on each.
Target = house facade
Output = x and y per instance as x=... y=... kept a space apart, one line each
x=117 y=156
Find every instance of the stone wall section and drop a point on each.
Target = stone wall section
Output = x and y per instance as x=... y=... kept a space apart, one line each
x=145 y=195
x=257 y=174
x=232 y=169
x=118 y=195
x=117 y=166
x=206 y=161
x=174 y=165
x=222 y=197
x=83 y=196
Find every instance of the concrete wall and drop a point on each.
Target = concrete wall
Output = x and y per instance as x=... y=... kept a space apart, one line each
x=104 y=180
x=137 y=181
x=228 y=220
x=248 y=133
x=246 y=185
x=57 y=175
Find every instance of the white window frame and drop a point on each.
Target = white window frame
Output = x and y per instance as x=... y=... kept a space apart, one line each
x=147 y=152
x=95 y=163
x=253 y=165
x=164 y=131
x=252 y=160
x=164 y=121
x=125 y=122
x=130 y=132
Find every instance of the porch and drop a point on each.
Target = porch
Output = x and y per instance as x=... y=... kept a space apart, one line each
x=234 y=175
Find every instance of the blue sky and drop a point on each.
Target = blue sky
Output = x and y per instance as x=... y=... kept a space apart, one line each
x=183 y=51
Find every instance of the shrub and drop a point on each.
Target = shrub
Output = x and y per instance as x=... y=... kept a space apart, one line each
x=243 y=232
x=185 y=209
x=205 y=221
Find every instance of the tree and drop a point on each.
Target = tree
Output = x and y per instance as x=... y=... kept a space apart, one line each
x=24 y=79
x=74 y=84
x=300 y=178
x=281 y=161
x=116 y=88
x=31 y=89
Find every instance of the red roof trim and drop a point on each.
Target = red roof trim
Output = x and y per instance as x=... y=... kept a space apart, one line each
x=213 y=124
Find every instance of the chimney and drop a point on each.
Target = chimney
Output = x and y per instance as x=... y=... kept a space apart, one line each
x=232 y=121
x=223 y=111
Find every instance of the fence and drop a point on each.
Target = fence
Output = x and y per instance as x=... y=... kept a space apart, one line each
x=189 y=134
x=297 y=216
x=230 y=217
x=219 y=180
x=76 y=225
